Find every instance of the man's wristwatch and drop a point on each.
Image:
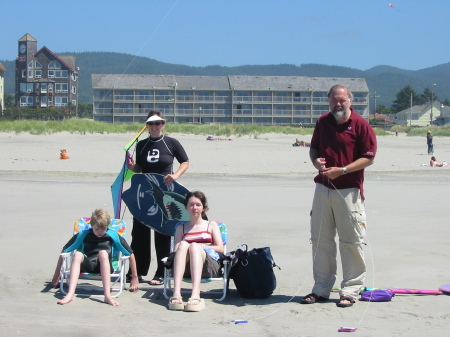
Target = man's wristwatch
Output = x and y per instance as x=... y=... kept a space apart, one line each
x=344 y=170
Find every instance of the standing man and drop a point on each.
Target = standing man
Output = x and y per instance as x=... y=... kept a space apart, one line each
x=430 y=143
x=342 y=145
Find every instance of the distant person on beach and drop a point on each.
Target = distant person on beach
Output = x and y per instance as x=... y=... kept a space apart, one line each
x=94 y=256
x=342 y=145
x=430 y=143
x=155 y=154
x=435 y=163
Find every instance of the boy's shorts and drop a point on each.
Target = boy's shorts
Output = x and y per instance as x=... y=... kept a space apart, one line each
x=91 y=265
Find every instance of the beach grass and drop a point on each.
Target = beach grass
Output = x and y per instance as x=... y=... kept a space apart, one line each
x=87 y=126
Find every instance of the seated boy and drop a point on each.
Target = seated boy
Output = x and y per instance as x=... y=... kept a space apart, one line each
x=96 y=244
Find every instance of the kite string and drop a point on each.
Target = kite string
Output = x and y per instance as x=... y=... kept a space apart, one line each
x=371 y=258
x=142 y=47
x=309 y=273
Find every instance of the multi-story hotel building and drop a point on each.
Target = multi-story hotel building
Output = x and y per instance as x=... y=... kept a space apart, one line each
x=44 y=79
x=268 y=100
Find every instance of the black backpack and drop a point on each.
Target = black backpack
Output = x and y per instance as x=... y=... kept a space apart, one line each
x=252 y=271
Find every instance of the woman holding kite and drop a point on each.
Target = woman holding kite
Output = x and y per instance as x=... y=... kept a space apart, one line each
x=155 y=155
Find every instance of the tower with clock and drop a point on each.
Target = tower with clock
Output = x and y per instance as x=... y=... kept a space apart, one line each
x=27 y=47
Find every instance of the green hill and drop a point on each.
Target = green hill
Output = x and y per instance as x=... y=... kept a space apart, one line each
x=386 y=81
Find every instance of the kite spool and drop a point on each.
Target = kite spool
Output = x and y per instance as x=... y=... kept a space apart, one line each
x=63 y=154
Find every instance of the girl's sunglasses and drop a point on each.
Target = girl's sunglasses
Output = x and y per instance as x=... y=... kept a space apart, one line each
x=154 y=123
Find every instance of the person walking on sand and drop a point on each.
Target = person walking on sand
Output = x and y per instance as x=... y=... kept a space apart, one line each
x=430 y=143
x=342 y=145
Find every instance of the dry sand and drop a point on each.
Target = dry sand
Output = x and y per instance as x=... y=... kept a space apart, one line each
x=262 y=188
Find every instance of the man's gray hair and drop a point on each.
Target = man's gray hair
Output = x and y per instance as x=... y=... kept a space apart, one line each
x=341 y=86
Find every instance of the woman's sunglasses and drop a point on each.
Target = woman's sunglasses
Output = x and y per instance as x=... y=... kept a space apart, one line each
x=154 y=123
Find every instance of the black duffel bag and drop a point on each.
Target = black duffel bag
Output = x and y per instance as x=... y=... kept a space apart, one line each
x=252 y=271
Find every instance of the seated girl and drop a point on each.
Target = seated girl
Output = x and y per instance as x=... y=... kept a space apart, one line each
x=198 y=244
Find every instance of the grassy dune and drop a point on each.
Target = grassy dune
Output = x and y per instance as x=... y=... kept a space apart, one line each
x=83 y=126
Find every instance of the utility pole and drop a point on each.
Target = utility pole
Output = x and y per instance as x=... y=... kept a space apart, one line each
x=374 y=95
x=432 y=93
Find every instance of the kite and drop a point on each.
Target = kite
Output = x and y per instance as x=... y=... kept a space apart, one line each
x=445 y=289
x=391 y=5
x=124 y=175
x=155 y=204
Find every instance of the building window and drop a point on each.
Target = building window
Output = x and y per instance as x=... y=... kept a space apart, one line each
x=144 y=95
x=185 y=96
x=302 y=110
x=102 y=95
x=74 y=89
x=124 y=108
x=61 y=87
x=30 y=65
x=123 y=95
x=243 y=96
x=163 y=96
x=58 y=74
x=37 y=65
x=320 y=97
x=26 y=87
x=54 y=65
x=30 y=73
x=24 y=74
x=38 y=73
x=223 y=96
x=262 y=96
x=26 y=101
x=61 y=101
x=204 y=96
x=282 y=96
x=184 y=109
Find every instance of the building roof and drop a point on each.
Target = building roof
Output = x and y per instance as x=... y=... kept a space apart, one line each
x=67 y=61
x=291 y=83
x=27 y=37
x=301 y=83
x=420 y=109
x=2 y=68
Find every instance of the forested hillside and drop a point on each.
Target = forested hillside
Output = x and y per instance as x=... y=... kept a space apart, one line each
x=386 y=81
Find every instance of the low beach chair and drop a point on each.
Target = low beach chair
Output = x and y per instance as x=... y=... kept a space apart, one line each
x=118 y=262
x=168 y=277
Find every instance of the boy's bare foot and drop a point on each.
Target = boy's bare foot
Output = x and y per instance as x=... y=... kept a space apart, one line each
x=111 y=301
x=66 y=300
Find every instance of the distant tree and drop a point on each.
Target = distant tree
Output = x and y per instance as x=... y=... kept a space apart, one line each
x=403 y=99
x=446 y=102
x=382 y=109
x=9 y=100
x=426 y=96
x=85 y=110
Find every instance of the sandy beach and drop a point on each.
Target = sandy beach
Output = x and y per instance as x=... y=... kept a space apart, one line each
x=262 y=188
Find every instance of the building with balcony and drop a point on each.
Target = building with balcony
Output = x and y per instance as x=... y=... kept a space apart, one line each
x=267 y=100
x=44 y=79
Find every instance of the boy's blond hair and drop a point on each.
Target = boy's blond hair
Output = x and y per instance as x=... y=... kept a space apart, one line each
x=100 y=218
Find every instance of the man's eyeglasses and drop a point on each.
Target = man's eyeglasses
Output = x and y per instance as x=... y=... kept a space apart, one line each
x=154 y=123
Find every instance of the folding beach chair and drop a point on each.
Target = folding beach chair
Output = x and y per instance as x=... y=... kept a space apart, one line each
x=118 y=262
x=168 y=277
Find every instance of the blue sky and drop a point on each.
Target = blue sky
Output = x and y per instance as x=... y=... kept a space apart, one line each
x=359 y=34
